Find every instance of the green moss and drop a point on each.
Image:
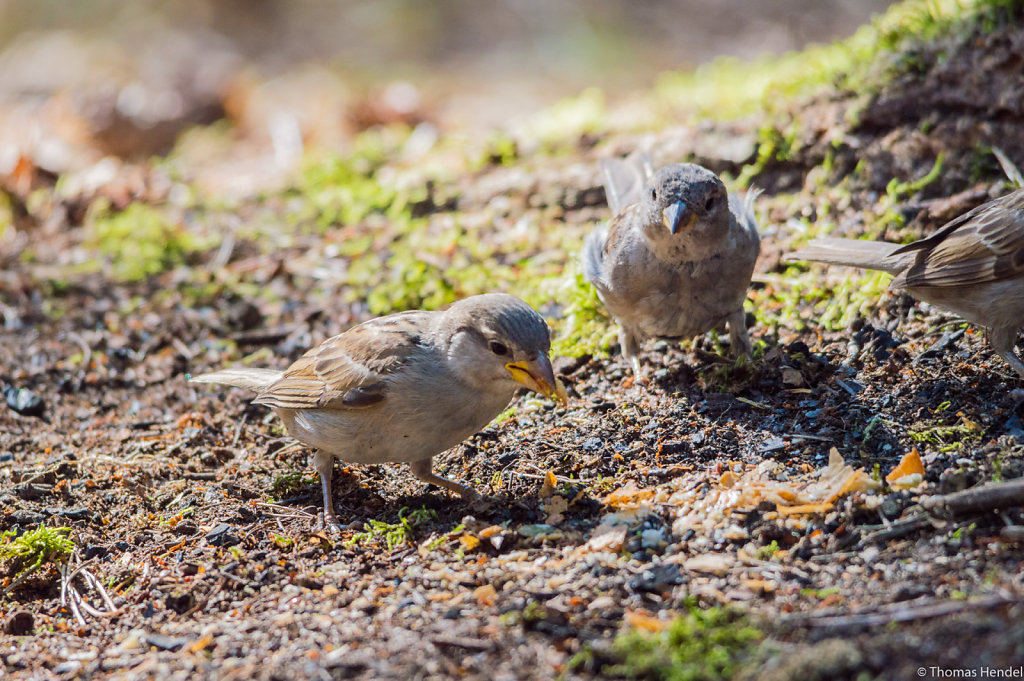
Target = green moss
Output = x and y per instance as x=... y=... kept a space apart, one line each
x=584 y=328
x=140 y=241
x=896 y=193
x=394 y=534
x=35 y=548
x=559 y=126
x=730 y=88
x=703 y=644
x=947 y=438
x=345 y=189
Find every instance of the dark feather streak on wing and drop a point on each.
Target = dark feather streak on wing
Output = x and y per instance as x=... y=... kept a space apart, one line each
x=985 y=245
x=348 y=371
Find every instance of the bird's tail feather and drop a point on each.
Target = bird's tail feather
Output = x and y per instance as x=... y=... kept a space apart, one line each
x=593 y=253
x=872 y=255
x=253 y=379
x=743 y=207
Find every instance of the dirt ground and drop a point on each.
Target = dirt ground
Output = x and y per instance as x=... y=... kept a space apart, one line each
x=198 y=516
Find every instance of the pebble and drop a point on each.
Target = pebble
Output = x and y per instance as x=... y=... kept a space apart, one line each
x=652 y=539
x=20 y=623
x=657 y=578
x=24 y=401
x=222 y=536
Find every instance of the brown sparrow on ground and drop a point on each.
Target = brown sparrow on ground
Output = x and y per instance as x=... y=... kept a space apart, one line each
x=407 y=386
x=973 y=266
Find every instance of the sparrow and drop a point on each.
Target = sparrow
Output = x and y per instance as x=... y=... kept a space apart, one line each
x=676 y=259
x=973 y=266
x=407 y=386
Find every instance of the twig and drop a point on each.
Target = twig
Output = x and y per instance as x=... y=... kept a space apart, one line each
x=805 y=436
x=1009 y=167
x=291 y=512
x=461 y=642
x=899 y=612
x=238 y=430
x=86 y=350
x=990 y=497
x=842 y=384
x=96 y=584
x=895 y=530
x=940 y=346
x=73 y=602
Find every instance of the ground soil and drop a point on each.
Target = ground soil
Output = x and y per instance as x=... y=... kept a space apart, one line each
x=167 y=487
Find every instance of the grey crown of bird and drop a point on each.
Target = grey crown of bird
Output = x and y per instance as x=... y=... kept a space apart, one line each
x=973 y=266
x=676 y=259
x=406 y=386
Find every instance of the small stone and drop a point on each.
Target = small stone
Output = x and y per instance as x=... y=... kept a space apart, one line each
x=592 y=444
x=29 y=490
x=162 y=642
x=221 y=536
x=657 y=578
x=652 y=539
x=180 y=602
x=19 y=623
x=95 y=551
x=25 y=518
x=76 y=513
x=24 y=401
x=67 y=667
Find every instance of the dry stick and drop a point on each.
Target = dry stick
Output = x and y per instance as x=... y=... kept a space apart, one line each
x=990 y=497
x=95 y=583
x=898 y=529
x=903 y=613
x=68 y=593
x=238 y=430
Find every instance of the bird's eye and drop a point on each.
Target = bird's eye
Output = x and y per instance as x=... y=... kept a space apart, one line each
x=654 y=195
x=711 y=203
x=498 y=348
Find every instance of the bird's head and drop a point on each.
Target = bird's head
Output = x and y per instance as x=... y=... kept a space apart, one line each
x=497 y=340
x=683 y=202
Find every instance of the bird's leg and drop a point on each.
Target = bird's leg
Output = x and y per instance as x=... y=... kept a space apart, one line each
x=423 y=470
x=738 y=338
x=1002 y=340
x=324 y=463
x=631 y=350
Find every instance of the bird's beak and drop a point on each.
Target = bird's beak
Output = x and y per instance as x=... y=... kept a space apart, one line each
x=678 y=216
x=537 y=375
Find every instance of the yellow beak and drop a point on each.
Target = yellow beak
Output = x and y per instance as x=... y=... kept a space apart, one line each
x=537 y=375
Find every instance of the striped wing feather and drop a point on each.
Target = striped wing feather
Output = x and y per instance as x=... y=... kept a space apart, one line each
x=350 y=370
x=983 y=245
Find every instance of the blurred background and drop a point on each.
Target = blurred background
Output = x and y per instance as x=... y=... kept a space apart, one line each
x=91 y=79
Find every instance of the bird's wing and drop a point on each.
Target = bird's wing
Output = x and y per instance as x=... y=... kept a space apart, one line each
x=349 y=371
x=618 y=227
x=625 y=179
x=983 y=245
x=593 y=254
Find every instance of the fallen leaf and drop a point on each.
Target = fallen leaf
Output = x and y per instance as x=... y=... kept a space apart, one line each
x=909 y=472
x=549 y=486
x=715 y=563
x=630 y=495
x=485 y=595
x=643 y=621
